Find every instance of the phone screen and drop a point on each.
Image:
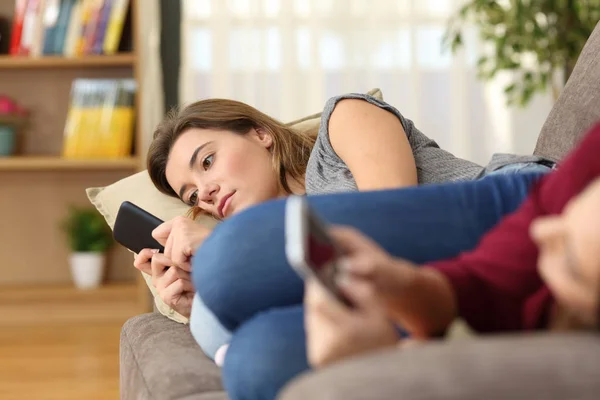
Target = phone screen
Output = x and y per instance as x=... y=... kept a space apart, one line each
x=322 y=257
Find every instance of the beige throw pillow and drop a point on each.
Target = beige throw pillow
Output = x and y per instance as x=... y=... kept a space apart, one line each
x=138 y=189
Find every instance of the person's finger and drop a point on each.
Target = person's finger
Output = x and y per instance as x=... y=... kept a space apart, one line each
x=171 y=275
x=318 y=300
x=161 y=233
x=186 y=265
x=360 y=292
x=179 y=252
x=176 y=290
x=351 y=240
x=169 y=246
x=363 y=265
x=158 y=264
x=142 y=260
x=145 y=267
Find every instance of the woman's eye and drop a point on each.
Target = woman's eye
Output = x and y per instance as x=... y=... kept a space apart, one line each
x=193 y=198
x=207 y=162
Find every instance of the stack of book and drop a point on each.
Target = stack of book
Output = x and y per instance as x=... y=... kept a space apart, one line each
x=71 y=28
x=100 y=120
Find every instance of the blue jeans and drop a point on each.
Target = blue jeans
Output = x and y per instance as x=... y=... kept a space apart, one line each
x=242 y=275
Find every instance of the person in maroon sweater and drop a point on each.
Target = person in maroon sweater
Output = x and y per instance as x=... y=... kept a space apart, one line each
x=537 y=269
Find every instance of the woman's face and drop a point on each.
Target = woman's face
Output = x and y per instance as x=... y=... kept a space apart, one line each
x=222 y=172
x=569 y=254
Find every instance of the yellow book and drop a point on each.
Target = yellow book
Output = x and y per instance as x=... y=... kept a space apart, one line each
x=114 y=28
x=74 y=120
x=81 y=147
x=125 y=117
x=106 y=126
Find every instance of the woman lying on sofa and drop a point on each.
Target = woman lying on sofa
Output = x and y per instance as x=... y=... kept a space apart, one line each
x=493 y=283
x=242 y=158
x=244 y=152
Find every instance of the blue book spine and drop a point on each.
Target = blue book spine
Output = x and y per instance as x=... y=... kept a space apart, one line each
x=62 y=25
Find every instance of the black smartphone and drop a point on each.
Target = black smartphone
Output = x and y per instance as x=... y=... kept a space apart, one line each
x=133 y=228
x=309 y=248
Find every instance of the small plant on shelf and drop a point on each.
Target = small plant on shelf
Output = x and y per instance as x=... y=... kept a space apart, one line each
x=89 y=239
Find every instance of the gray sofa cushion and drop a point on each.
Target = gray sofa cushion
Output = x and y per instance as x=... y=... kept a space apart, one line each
x=549 y=367
x=578 y=106
x=161 y=360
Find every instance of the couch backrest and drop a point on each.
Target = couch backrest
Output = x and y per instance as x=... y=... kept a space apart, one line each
x=577 y=107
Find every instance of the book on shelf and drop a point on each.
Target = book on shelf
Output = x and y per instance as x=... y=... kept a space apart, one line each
x=70 y=28
x=100 y=120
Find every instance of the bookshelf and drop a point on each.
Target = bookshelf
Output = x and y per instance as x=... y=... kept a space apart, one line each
x=9 y=62
x=41 y=163
x=38 y=184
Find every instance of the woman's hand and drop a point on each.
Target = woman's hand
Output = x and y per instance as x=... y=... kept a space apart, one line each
x=364 y=259
x=173 y=284
x=181 y=237
x=335 y=331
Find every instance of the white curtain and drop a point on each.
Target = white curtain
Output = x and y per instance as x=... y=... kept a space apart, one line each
x=287 y=57
x=150 y=71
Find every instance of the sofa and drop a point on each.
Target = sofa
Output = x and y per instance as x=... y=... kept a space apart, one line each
x=159 y=359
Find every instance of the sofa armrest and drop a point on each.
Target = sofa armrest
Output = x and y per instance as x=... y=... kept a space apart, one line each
x=549 y=367
x=577 y=107
x=159 y=359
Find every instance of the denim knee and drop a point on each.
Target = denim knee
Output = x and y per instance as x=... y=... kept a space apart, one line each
x=214 y=264
x=265 y=353
x=239 y=250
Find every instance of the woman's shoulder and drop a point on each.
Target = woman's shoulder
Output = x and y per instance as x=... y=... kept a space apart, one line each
x=373 y=97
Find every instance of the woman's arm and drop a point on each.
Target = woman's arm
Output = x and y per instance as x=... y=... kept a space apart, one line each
x=373 y=144
x=426 y=303
x=497 y=285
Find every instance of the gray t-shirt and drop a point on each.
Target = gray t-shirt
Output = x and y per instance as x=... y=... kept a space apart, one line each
x=326 y=172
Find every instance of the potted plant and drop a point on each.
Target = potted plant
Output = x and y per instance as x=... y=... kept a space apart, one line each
x=536 y=40
x=89 y=239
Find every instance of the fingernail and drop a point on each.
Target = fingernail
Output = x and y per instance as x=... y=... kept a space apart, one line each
x=155 y=251
x=344 y=264
x=342 y=279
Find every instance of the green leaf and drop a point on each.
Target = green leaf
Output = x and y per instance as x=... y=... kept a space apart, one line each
x=554 y=31
x=456 y=42
x=510 y=88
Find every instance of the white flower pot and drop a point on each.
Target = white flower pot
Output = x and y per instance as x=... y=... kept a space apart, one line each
x=87 y=269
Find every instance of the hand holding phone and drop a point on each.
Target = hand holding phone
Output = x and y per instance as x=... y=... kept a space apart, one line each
x=133 y=229
x=309 y=248
x=181 y=236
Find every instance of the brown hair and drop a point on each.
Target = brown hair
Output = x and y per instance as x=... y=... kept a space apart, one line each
x=291 y=148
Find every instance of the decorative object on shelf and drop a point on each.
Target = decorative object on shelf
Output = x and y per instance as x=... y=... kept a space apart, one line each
x=533 y=39
x=12 y=119
x=89 y=239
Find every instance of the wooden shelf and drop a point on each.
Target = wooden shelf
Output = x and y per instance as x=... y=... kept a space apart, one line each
x=117 y=60
x=24 y=163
